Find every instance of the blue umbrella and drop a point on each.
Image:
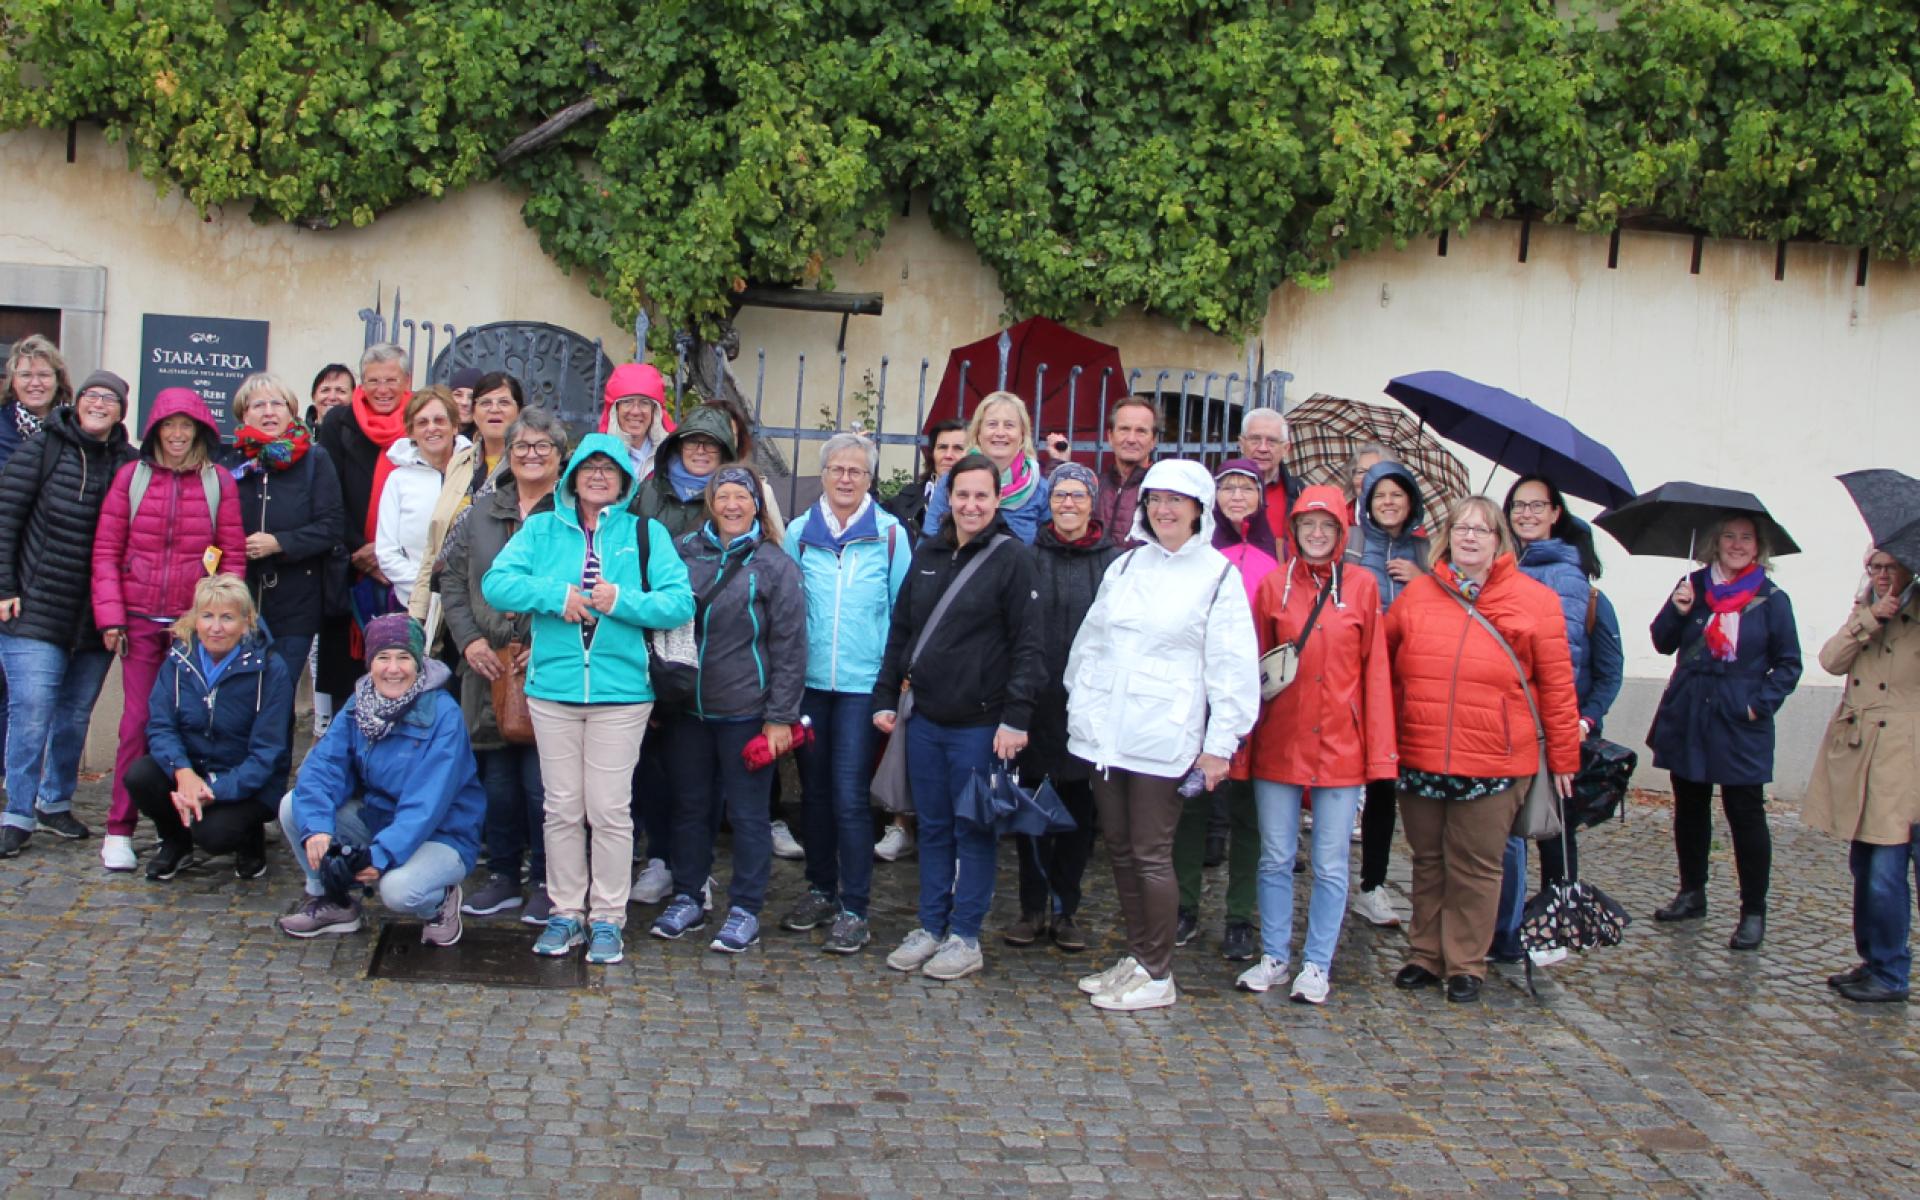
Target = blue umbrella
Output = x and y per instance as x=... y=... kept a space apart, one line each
x=1514 y=432
x=995 y=801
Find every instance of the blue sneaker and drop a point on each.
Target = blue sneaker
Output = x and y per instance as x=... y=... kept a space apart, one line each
x=605 y=947
x=741 y=930
x=560 y=936
x=683 y=916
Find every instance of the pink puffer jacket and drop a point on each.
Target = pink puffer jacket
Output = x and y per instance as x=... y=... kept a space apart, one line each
x=148 y=568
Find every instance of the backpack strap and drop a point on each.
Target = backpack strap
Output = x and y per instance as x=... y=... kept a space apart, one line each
x=143 y=479
x=1593 y=607
x=137 y=487
x=210 y=487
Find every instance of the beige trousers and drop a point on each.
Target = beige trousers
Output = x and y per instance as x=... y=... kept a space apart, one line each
x=587 y=755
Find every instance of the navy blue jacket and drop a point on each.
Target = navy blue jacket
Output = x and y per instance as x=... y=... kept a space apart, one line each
x=1700 y=731
x=234 y=735
x=1556 y=564
x=10 y=438
x=1599 y=683
x=301 y=507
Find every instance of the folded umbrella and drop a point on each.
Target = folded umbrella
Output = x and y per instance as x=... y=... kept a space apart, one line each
x=996 y=801
x=1514 y=432
x=1889 y=502
x=1671 y=520
x=1325 y=432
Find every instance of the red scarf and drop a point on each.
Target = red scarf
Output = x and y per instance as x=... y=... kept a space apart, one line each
x=273 y=453
x=383 y=430
x=1725 y=600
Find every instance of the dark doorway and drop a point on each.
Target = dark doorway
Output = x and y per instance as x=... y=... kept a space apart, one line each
x=18 y=323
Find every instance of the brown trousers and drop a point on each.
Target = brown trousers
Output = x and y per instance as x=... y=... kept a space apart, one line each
x=1457 y=846
x=1138 y=816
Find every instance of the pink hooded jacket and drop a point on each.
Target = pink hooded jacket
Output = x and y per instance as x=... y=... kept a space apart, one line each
x=147 y=567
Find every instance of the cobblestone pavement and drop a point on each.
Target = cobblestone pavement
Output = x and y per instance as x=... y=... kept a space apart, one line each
x=162 y=1039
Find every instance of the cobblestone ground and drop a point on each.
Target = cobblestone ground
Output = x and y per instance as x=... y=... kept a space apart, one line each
x=162 y=1039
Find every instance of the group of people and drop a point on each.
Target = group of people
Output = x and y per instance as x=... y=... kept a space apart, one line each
x=533 y=657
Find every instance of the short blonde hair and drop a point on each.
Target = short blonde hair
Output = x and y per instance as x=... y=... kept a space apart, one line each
x=996 y=400
x=437 y=394
x=35 y=346
x=217 y=591
x=1440 y=545
x=1708 y=551
x=263 y=382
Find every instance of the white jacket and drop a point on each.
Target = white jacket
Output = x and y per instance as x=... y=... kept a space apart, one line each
x=406 y=511
x=1166 y=664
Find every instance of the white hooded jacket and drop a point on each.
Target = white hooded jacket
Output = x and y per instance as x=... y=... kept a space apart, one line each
x=407 y=502
x=1166 y=664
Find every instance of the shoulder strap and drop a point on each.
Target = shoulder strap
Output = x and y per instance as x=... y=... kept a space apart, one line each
x=137 y=487
x=724 y=580
x=1320 y=601
x=143 y=479
x=646 y=552
x=210 y=486
x=1593 y=606
x=953 y=589
x=893 y=532
x=1539 y=727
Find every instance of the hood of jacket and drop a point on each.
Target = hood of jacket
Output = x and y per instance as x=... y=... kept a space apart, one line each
x=706 y=421
x=1322 y=498
x=636 y=379
x=1549 y=551
x=182 y=402
x=1186 y=478
x=1417 y=507
x=566 y=503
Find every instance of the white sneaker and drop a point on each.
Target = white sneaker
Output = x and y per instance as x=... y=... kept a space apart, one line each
x=957 y=958
x=706 y=893
x=1375 y=908
x=784 y=845
x=914 y=952
x=1138 y=992
x=1310 y=985
x=1547 y=958
x=1262 y=975
x=896 y=841
x=1093 y=985
x=653 y=882
x=116 y=853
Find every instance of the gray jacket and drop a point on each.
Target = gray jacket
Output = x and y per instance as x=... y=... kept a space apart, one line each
x=752 y=631
x=478 y=535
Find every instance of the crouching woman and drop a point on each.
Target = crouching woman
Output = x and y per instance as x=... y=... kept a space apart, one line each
x=394 y=777
x=217 y=735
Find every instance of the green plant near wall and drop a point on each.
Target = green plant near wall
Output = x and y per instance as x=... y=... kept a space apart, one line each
x=1182 y=157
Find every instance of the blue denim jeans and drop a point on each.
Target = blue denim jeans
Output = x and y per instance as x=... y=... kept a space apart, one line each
x=710 y=780
x=835 y=815
x=956 y=861
x=1513 y=900
x=416 y=887
x=1333 y=813
x=516 y=811
x=50 y=696
x=1883 y=907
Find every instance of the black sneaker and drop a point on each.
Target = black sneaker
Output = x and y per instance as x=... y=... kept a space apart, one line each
x=1239 y=944
x=1187 y=928
x=249 y=866
x=13 y=840
x=62 y=824
x=167 y=860
x=810 y=912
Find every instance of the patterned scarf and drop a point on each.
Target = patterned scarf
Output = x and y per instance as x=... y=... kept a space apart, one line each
x=1022 y=476
x=1465 y=586
x=1726 y=597
x=266 y=453
x=26 y=422
x=375 y=714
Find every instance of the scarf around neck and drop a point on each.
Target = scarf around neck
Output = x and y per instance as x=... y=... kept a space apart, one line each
x=383 y=430
x=1725 y=598
x=685 y=484
x=376 y=715
x=1462 y=584
x=26 y=422
x=264 y=453
x=1022 y=476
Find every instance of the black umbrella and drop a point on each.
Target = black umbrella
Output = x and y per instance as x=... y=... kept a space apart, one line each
x=1890 y=504
x=1670 y=520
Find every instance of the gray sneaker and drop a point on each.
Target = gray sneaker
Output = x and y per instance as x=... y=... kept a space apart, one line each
x=498 y=894
x=444 y=928
x=318 y=915
x=957 y=958
x=848 y=935
x=914 y=951
x=811 y=911
x=539 y=906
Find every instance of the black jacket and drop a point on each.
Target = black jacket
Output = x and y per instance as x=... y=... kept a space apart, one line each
x=752 y=632
x=982 y=666
x=355 y=458
x=655 y=497
x=909 y=506
x=301 y=507
x=50 y=496
x=1067 y=577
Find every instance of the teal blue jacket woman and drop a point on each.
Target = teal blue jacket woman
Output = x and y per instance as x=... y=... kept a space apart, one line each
x=533 y=573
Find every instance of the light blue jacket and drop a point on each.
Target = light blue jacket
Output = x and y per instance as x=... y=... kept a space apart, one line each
x=851 y=584
x=533 y=572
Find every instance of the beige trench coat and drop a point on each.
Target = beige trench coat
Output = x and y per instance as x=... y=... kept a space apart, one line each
x=1866 y=781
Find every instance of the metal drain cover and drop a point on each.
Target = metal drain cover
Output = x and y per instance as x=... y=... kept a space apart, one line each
x=490 y=956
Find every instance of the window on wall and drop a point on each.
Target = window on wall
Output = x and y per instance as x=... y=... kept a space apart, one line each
x=17 y=323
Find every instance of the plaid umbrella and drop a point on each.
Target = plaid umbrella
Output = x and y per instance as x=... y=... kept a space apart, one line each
x=1327 y=430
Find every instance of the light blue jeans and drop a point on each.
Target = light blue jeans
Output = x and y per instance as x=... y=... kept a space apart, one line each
x=416 y=887
x=50 y=697
x=1333 y=811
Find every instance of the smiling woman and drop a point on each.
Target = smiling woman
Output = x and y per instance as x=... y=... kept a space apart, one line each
x=416 y=467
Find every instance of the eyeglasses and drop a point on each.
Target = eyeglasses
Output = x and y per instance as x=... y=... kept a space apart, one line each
x=847 y=472
x=492 y=401
x=599 y=468
x=1885 y=568
x=1241 y=488
x=1166 y=500
x=37 y=376
x=267 y=402
x=99 y=396
x=1071 y=497
x=532 y=449
x=1532 y=506
x=1473 y=531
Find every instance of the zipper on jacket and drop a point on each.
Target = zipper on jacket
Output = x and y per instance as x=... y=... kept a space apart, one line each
x=173 y=519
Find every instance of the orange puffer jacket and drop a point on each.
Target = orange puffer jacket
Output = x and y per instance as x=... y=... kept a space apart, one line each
x=1460 y=705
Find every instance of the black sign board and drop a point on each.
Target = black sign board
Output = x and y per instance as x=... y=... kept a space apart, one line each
x=211 y=355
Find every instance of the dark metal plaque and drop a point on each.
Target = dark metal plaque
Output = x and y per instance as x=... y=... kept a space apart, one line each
x=560 y=370
x=486 y=955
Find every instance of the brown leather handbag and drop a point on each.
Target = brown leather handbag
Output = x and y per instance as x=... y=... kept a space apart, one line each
x=510 y=698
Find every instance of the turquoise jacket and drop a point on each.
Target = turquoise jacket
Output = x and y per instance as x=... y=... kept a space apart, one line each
x=851 y=583
x=533 y=572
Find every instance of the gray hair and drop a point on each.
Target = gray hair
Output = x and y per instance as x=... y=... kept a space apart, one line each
x=1263 y=414
x=850 y=441
x=539 y=420
x=386 y=352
